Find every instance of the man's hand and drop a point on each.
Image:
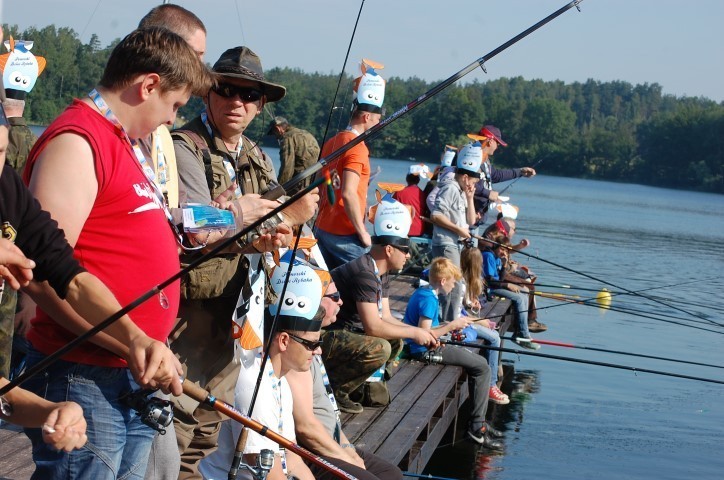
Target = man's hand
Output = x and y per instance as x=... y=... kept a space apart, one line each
x=493 y=196
x=251 y=207
x=365 y=238
x=354 y=458
x=273 y=239
x=464 y=232
x=513 y=288
x=65 y=427
x=527 y=172
x=154 y=366
x=15 y=268
x=303 y=209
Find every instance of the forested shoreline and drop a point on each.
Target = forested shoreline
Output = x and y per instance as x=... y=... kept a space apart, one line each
x=612 y=131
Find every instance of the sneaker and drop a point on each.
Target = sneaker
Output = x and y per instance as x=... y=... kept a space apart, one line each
x=346 y=405
x=496 y=396
x=492 y=432
x=537 y=327
x=526 y=343
x=482 y=437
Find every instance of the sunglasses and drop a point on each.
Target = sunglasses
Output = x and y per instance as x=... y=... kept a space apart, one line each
x=308 y=344
x=246 y=94
x=404 y=250
x=335 y=297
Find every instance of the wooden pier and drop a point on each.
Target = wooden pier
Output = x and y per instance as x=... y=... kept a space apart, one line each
x=425 y=400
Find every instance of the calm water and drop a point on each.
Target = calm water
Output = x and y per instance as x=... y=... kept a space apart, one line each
x=573 y=421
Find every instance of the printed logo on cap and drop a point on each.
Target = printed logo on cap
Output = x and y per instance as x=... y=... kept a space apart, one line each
x=304 y=289
x=391 y=218
x=20 y=68
x=370 y=87
x=470 y=158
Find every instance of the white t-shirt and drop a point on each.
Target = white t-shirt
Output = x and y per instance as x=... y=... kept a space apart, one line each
x=273 y=402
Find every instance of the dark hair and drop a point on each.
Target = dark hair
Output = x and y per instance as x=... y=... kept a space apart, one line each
x=156 y=50
x=412 y=179
x=175 y=18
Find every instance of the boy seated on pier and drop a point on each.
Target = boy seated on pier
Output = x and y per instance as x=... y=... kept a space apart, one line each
x=494 y=264
x=423 y=310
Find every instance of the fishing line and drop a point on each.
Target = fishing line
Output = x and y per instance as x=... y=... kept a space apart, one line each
x=589 y=302
x=596 y=279
x=618 y=352
x=341 y=74
x=624 y=309
x=513 y=182
x=580 y=360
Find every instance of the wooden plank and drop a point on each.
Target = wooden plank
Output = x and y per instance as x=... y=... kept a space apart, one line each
x=398 y=410
x=355 y=425
x=16 y=460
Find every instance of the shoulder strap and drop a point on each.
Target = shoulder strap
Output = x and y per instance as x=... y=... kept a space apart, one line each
x=203 y=149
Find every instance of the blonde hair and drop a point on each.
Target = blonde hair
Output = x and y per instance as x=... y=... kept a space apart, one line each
x=441 y=268
x=471 y=263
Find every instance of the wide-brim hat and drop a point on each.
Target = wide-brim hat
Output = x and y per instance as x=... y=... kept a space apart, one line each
x=488 y=131
x=241 y=62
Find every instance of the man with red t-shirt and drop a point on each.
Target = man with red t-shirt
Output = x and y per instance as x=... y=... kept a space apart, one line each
x=341 y=230
x=88 y=171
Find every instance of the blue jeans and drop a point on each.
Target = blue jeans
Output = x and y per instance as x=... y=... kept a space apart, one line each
x=491 y=338
x=118 y=442
x=339 y=249
x=452 y=303
x=520 y=301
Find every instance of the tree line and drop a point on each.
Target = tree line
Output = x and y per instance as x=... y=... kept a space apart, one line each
x=602 y=130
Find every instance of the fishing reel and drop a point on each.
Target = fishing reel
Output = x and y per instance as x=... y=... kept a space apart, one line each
x=264 y=463
x=432 y=356
x=155 y=412
x=457 y=336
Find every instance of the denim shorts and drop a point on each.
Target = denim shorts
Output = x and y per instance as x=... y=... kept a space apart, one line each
x=118 y=442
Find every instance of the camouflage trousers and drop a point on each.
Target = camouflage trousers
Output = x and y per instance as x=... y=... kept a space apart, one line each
x=350 y=358
x=7 y=328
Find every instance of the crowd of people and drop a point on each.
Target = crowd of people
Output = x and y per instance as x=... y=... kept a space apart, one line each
x=99 y=218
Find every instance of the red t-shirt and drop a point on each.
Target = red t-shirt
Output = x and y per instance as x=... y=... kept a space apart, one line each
x=332 y=218
x=413 y=196
x=126 y=241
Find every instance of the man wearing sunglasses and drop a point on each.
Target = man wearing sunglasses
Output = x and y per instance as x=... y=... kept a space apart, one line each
x=217 y=161
x=368 y=335
x=294 y=342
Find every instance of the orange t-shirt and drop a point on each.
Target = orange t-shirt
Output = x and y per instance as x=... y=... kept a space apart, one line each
x=332 y=218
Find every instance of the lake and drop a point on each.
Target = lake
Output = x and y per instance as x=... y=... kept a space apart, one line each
x=574 y=421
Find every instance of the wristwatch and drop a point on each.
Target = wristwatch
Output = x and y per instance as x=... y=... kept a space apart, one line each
x=6 y=409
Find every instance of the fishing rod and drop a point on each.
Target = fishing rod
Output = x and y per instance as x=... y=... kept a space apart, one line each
x=518 y=178
x=241 y=442
x=200 y=395
x=341 y=74
x=618 y=352
x=587 y=275
x=239 y=451
x=614 y=292
x=45 y=362
x=589 y=302
x=429 y=477
x=374 y=131
x=580 y=360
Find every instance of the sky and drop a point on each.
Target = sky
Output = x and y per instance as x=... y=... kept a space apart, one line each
x=677 y=44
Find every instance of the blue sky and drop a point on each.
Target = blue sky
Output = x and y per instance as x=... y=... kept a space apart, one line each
x=679 y=45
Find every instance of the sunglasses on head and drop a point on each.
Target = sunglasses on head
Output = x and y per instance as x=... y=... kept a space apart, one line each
x=246 y=94
x=333 y=296
x=308 y=344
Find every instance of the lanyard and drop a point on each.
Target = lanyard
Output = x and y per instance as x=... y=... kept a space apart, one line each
x=230 y=169
x=143 y=164
x=353 y=130
x=330 y=394
x=277 y=393
x=162 y=167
